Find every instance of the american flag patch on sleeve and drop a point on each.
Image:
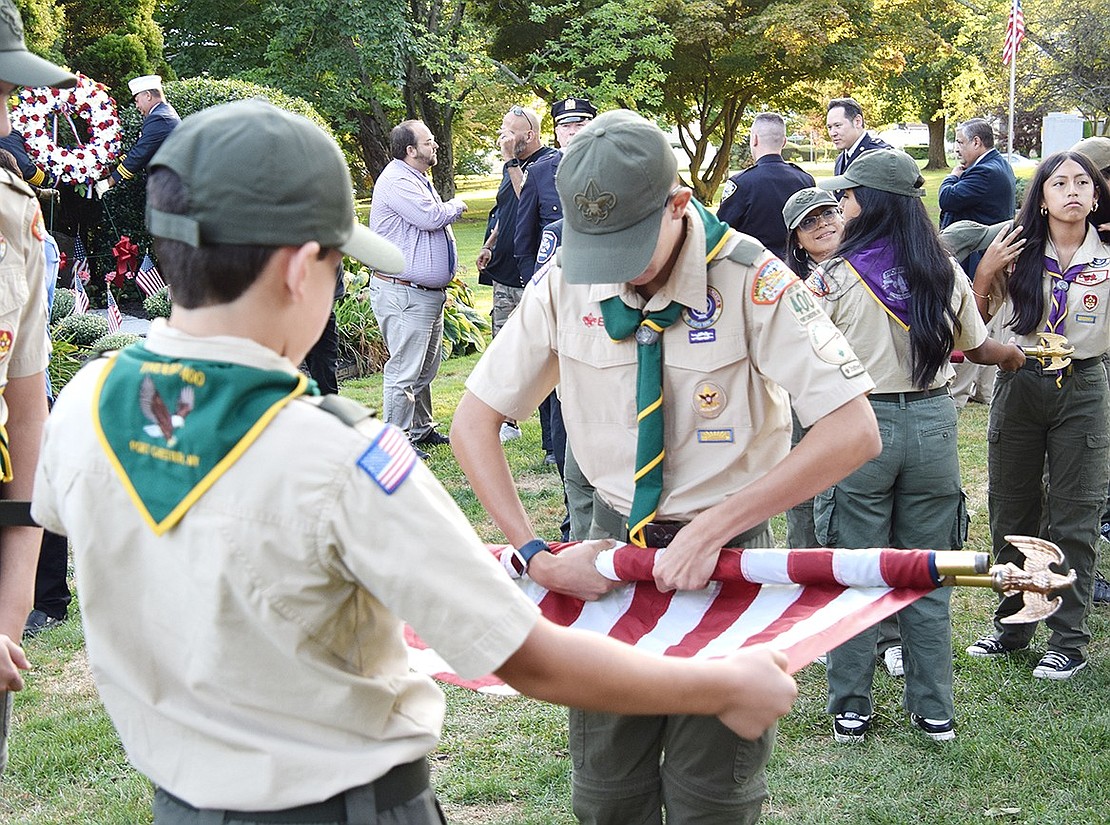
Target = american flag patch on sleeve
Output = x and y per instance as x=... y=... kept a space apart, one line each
x=389 y=459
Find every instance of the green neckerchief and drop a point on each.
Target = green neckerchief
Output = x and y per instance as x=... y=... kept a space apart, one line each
x=621 y=321
x=171 y=427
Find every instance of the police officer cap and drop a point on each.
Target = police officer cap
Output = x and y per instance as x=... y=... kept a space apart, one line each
x=17 y=65
x=146 y=83
x=573 y=110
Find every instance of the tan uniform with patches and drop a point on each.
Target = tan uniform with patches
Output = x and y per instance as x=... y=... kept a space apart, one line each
x=882 y=344
x=24 y=344
x=756 y=331
x=299 y=575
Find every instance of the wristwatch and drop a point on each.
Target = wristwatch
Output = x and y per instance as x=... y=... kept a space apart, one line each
x=525 y=553
x=512 y=163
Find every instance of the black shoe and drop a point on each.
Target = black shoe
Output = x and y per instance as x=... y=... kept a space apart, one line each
x=37 y=621
x=433 y=438
x=423 y=455
x=550 y=459
x=1100 y=593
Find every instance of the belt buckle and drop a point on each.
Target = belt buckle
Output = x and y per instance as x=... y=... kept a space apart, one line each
x=661 y=533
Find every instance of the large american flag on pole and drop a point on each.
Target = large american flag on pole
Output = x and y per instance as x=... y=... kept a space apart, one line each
x=1015 y=32
x=802 y=602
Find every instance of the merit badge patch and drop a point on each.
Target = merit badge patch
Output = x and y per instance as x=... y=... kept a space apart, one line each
x=771 y=281
x=705 y=318
x=709 y=400
x=1090 y=302
x=389 y=459
x=722 y=436
x=802 y=306
x=829 y=343
x=1091 y=278
x=7 y=337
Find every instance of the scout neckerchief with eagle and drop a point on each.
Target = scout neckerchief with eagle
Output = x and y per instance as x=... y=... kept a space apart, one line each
x=171 y=427
x=622 y=321
x=877 y=269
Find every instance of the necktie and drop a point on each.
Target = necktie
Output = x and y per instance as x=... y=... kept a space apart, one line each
x=622 y=321
x=1061 y=282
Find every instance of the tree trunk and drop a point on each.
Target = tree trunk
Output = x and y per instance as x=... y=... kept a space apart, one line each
x=937 y=157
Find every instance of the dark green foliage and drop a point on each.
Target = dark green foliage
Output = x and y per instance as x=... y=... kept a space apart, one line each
x=158 y=305
x=81 y=330
x=63 y=304
x=112 y=341
x=464 y=328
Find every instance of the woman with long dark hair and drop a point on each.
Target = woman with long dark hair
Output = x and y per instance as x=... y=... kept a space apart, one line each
x=1051 y=274
x=903 y=304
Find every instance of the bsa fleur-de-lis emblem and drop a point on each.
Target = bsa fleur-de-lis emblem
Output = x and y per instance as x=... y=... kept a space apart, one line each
x=594 y=204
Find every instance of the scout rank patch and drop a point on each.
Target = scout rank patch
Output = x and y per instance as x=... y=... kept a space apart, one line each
x=771 y=281
x=709 y=400
x=7 y=338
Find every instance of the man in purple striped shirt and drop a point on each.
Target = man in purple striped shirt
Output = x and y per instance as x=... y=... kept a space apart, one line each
x=407 y=210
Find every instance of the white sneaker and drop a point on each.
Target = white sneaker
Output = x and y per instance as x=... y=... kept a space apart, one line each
x=892 y=658
x=509 y=432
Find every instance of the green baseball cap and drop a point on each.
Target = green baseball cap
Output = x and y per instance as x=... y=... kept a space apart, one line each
x=261 y=176
x=1097 y=149
x=802 y=202
x=888 y=170
x=613 y=181
x=961 y=238
x=17 y=65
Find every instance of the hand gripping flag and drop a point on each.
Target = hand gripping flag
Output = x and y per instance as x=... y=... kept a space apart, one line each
x=802 y=602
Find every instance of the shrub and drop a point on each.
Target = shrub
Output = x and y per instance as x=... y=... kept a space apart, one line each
x=81 y=330
x=464 y=328
x=917 y=152
x=65 y=360
x=114 y=340
x=360 y=340
x=158 y=305
x=64 y=299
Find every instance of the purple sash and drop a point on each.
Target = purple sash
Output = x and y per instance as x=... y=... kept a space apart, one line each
x=876 y=267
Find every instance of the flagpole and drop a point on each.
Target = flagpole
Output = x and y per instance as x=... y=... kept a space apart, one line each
x=1013 y=77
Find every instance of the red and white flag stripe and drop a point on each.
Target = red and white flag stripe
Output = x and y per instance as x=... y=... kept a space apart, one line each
x=802 y=620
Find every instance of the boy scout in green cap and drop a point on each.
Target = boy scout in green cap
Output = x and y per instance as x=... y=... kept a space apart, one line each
x=24 y=348
x=672 y=338
x=242 y=618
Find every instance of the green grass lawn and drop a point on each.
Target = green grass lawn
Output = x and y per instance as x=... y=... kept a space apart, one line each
x=1026 y=752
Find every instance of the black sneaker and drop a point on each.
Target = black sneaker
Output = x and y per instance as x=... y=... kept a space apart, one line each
x=1104 y=530
x=433 y=438
x=939 y=730
x=1100 y=593
x=990 y=648
x=849 y=728
x=37 y=622
x=1056 y=666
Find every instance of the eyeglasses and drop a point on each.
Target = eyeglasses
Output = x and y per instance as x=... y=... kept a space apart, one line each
x=825 y=215
x=527 y=114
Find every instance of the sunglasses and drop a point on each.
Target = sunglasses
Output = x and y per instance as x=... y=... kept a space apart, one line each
x=527 y=114
x=810 y=222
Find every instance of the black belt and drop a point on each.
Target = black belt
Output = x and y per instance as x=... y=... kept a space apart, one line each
x=403 y=282
x=905 y=397
x=1033 y=365
x=402 y=783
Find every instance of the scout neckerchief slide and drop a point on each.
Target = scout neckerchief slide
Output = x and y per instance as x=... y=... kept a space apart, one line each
x=622 y=321
x=172 y=427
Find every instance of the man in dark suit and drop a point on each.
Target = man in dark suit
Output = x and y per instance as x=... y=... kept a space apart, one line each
x=848 y=133
x=753 y=199
x=980 y=188
x=159 y=119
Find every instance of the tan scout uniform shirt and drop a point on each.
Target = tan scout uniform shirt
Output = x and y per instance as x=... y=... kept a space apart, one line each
x=24 y=344
x=878 y=339
x=1086 y=326
x=251 y=657
x=727 y=417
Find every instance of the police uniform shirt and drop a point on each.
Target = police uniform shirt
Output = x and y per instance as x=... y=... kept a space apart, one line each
x=881 y=343
x=752 y=201
x=539 y=206
x=24 y=343
x=251 y=657
x=754 y=330
x=1086 y=326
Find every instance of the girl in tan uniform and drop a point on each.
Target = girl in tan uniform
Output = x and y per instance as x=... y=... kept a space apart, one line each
x=903 y=304
x=1059 y=283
